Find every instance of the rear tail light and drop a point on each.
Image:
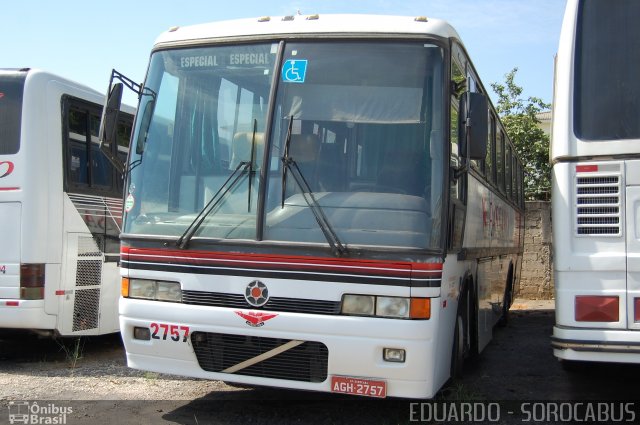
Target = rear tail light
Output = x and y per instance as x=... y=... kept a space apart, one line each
x=636 y=314
x=597 y=309
x=32 y=281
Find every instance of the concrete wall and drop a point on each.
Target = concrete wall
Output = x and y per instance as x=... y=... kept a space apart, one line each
x=536 y=281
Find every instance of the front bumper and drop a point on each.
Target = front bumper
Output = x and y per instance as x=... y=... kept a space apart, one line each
x=354 y=344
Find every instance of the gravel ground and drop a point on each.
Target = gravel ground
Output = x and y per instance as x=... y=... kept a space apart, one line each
x=35 y=368
x=517 y=365
x=38 y=368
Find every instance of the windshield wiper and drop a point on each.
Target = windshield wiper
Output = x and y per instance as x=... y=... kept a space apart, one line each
x=285 y=168
x=337 y=248
x=231 y=181
x=252 y=159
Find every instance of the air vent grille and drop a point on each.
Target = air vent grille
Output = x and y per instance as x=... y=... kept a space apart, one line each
x=598 y=205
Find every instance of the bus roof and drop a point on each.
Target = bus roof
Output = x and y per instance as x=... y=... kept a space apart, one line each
x=40 y=76
x=301 y=25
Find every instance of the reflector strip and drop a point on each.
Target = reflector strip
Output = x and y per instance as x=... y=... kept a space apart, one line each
x=264 y=356
x=597 y=309
x=60 y=292
x=586 y=168
x=13 y=303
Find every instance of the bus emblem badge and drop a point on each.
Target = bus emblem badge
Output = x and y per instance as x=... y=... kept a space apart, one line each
x=256 y=319
x=256 y=294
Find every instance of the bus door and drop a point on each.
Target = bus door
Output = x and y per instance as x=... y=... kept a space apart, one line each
x=633 y=244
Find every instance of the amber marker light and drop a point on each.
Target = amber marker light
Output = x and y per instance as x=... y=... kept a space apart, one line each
x=124 y=288
x=420 y=308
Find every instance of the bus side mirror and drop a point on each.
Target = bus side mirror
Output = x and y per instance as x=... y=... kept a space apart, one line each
x=474 y=113
x=109 y=125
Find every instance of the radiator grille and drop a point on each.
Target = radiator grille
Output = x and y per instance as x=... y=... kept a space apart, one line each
x=85 y=309
x=598 y=208
x=217 y=352
x=289 y=305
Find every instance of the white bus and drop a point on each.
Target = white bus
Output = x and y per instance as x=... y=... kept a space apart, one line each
x=596 y=183
x=60 y=207
x=305 y=209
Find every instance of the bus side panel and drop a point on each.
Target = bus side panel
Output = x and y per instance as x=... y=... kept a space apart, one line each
x=633 y=242
x=488 y=271
x=91 y=286
x=452 y=273
x=587 y=264
x=10 y=213
x=492 y=224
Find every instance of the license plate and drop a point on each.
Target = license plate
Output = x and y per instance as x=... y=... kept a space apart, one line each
x=358 y=386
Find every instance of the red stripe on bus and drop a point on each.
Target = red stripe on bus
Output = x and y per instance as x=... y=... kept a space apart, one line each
x=9 y=188
x=280 y=262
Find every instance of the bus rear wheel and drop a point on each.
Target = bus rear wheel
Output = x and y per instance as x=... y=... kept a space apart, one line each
x=508 y=298
x=457 y=353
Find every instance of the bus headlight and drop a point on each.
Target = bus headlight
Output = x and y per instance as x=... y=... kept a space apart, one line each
x=389 y=307
x=392 y=307
x=153 y=290
x=168 y=291
x=358 y=304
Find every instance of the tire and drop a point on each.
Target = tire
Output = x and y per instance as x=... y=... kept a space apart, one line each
x=506 y=303
x=473 y=353
x=457 y=351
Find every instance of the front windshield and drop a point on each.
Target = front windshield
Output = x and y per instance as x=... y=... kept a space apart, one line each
x=202 y=115
x=366 y=134
x=363 y=122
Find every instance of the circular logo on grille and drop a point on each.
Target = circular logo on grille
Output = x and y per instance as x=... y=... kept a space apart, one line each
x=256 y=294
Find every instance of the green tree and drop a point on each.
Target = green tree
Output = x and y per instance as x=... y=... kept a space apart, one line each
x=519 y=118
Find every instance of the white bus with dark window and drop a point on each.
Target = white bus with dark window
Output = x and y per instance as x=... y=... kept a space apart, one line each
x=596 y=183
x=60 y=207
x=324 y=203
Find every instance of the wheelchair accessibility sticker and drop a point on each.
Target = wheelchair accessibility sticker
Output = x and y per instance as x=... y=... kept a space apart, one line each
x=294 y=70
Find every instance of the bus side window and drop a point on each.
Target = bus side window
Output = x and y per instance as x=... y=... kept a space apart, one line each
x=77 y=161
x=101 y=168
x=507 y=170
x=491 y=143
x=86 y=168
x=500 y=160
x=476 y=164
x=459 y=86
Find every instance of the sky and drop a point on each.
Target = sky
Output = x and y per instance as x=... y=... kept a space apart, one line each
x=84 y=40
